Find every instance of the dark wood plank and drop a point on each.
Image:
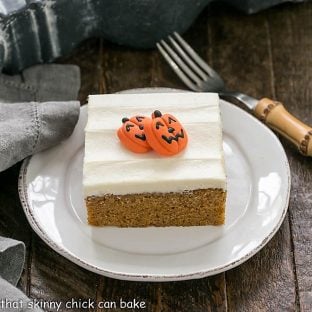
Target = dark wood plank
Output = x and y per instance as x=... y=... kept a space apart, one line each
x=292 y=56
x=207 y=294
x=198 y=295
x=122 y=293
x=87 y=56
x=241 y=51
x=198 y=37
x=54 y=278
x=266 y=282
x=124 y=68
x=241 y=54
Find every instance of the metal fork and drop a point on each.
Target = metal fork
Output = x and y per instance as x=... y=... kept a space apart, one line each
x=200 y=77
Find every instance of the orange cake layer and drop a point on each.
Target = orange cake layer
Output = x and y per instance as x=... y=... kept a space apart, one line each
x=199 y=207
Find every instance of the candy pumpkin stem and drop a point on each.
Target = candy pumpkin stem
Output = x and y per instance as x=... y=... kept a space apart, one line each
x=157 y=114
x=125 y=119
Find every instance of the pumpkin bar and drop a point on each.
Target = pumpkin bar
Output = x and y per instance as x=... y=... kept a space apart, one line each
x=126 y=189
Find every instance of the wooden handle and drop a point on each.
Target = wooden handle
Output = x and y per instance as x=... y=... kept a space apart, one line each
x=279 y=119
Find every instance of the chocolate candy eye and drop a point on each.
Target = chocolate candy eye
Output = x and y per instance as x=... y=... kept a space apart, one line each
x=139 y=118
x=159 y=124
x=129 y=126
x=171 y=120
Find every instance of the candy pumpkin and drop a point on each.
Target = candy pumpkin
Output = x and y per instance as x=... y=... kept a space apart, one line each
x=132 y=136
x=165 y=134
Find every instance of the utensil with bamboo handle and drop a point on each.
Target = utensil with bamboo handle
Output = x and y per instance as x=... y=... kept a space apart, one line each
x=200 y=77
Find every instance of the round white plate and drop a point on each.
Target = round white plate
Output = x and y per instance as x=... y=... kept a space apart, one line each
x=50 y=187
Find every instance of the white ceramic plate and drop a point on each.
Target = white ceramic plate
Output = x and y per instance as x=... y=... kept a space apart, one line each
x=258 y=193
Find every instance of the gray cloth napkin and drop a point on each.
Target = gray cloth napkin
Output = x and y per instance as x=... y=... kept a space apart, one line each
x=27 y=128
x=11 y=299
x=11 y=252
x=41 y=83
x=37 y=110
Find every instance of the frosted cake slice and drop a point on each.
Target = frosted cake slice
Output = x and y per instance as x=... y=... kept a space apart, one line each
x=125 y=189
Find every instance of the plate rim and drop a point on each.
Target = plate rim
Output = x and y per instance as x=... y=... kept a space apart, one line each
x=22 y=190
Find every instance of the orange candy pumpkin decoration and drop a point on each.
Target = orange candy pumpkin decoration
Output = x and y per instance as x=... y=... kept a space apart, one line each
x=132 y=136
x=165 y=134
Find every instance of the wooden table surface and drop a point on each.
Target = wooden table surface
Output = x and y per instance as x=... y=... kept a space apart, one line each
x=266 y=54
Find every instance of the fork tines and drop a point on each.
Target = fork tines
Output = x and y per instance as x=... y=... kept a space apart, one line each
x=187 y=64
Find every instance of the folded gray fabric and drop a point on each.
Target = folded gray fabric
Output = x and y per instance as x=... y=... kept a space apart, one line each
x=41 y=83
x=13 y=300
x=32 y=118
x=13 y=252
x=27 y=128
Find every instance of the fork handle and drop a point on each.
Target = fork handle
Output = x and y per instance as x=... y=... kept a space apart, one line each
x=274 y=114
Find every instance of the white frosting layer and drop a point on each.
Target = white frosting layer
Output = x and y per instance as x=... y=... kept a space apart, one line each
x=109 y=168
